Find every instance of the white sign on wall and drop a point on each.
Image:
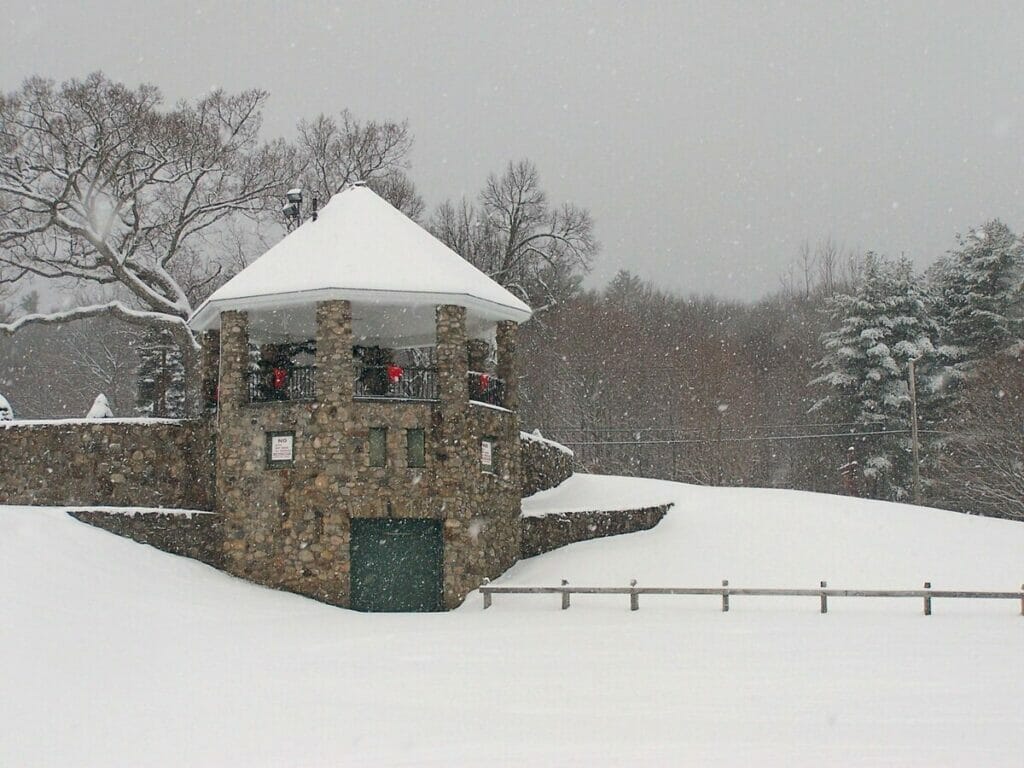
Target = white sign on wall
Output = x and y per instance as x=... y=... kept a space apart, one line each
x=282 y=447
x=487 y=453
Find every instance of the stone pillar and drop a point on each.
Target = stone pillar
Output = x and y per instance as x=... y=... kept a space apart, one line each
x=334 y=371
x=232 y=435
x=234 y=360
x=452 y=359
x=506 y=341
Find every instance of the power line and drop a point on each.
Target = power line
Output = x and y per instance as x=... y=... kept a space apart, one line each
x=749 y=439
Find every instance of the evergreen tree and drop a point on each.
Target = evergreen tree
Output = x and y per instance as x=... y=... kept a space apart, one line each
x=161 y=376
x=879 y=329
x=977 y=294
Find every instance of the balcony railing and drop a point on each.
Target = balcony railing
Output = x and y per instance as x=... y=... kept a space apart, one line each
x=282 y=384
x=395 y=382
x=485 y=388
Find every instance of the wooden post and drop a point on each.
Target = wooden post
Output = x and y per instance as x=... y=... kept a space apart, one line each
x=565 y=595
x=725 y=596
x=487 y=595
x=927 y=600
x=634 y=597
x=824 y=598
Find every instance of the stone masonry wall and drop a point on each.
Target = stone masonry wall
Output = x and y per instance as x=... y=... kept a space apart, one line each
x=197 y=535
x=289 y=527
x=543 y=534
x=121 y=462
x=544 y=464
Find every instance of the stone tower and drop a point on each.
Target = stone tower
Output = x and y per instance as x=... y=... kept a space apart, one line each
x=363 y=377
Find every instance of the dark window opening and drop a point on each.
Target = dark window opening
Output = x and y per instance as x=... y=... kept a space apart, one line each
x=378 y=446
x=416 y=448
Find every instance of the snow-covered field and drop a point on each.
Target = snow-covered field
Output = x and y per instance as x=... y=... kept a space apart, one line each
x=115 y=654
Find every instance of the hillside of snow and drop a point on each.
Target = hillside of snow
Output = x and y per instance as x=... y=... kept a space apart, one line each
x=115 y=654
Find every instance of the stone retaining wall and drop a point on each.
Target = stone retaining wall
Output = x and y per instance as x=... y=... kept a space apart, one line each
x=545 y=463
x=119 y=462
x=198 y=535
x=543 y=534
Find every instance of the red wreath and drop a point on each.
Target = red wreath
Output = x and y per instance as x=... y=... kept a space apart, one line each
x=395 y=373
x=279 y=378
x=485 y=381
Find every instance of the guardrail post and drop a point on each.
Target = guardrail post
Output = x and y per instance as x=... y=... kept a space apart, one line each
x=634 y=597
x=725 y=596
x=824 y=598
x=1022 y=599
x=487 y=595
x=927 y=600
x=565 y=595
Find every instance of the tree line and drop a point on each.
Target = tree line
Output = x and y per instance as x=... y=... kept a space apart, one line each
x=139 y=210
x=776 y=392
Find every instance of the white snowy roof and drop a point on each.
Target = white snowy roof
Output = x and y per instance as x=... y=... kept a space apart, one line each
x=364 y=250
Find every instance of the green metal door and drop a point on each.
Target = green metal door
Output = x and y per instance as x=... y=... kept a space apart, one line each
x=396 y=565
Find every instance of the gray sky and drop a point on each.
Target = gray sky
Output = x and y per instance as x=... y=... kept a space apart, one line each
x=708 y=139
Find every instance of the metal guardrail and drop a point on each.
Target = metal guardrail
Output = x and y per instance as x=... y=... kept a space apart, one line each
x=394 y=382
x=823 y=593
x=282 y=384
x=485 y=388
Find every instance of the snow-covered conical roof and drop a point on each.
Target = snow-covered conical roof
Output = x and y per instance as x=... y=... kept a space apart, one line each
x=364 y=250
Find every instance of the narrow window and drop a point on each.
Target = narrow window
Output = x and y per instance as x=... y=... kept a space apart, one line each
x=378 y=446
x=417 y=452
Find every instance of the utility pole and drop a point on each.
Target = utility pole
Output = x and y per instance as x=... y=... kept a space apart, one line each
x=722 y=408
x=914 y=451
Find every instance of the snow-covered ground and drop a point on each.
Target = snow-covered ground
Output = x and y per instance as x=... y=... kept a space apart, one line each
x=115 y=654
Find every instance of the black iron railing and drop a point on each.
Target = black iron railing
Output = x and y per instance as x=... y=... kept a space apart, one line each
x=282 y=384
x=486 y=388
x=392 y=381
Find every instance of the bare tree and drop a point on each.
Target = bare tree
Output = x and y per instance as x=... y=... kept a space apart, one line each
x=827 y=258
x=337 y=152
x=982 y=467
x=100 y=186
x=516 y=237
x=81 y=358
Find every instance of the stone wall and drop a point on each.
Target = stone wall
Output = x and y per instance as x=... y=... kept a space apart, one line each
x=197 y=535
x=545 y=463
x=117 y=462
x=289 y=527
x=543 y=534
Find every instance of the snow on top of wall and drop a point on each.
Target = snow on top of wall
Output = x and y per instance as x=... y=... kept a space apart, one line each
x=90 y=422
x=361 y=248
x=581 y=492
x=537 y=437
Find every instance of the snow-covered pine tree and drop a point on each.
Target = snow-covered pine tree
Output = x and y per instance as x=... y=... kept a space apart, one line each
x=877 y=331
x=977 y=294
x=160 y=376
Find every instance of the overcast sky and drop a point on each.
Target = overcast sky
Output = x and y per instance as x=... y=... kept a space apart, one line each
x=708 y=139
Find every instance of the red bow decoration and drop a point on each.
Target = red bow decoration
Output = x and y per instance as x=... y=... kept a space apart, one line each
x=485 y=380
x=279 y=378
x=395 y=373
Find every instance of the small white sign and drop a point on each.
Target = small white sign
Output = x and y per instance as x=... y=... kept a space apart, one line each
x=282 y=447
x=486 y=453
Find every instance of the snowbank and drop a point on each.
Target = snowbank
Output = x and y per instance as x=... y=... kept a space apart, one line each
x=196 y=668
